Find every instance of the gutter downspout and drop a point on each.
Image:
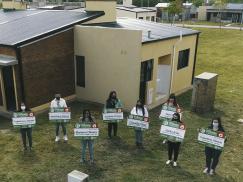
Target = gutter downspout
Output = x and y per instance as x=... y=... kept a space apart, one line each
x=19 y=58
x=173 y=62
x=195 y=59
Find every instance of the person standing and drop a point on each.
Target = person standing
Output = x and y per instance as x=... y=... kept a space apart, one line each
x=59 y=102
x=174 y=147
x=139 y=110
x=111 y=103
x=212 y=155
x=87 y=121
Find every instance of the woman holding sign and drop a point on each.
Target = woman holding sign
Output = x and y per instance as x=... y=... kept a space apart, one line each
x=26 y=131
x=87 y=121
x=168 y=109
x=112 y=103
x=173 y=147
x=212 y=155
x=139 y=110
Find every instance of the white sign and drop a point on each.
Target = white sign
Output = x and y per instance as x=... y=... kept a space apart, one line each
x=171 y=131
x=166 y=114
x=59 y=115
x=84 y=132
x=137 y=123
x=113 y=116
x=217 y=141
x=19 y=121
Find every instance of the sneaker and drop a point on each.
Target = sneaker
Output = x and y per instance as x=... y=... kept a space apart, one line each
x=57 y=139
x=205 y=171
x=82 y=161
x=174 y=164
x=211 y=172
x=164 y=141
x=65 y=138
x=168 y=162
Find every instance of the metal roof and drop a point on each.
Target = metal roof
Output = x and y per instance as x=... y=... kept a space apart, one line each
x=136 y=9
x=229 y=6
x=17 y=27
x=158 y=31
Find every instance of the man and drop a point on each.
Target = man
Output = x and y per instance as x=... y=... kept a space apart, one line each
x=59 y=102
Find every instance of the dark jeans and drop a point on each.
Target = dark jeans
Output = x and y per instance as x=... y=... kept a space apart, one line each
x=212 y=158
x=173 y=147
x=63 y=128
x=110 y=126
x=26 y=132
x=90 y=144
x=139 y=136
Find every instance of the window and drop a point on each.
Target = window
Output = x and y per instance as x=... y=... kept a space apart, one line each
x=183 y=59
x=147 y=18
x=141 y=18
x=152 y=18
x=147 y=70
x=80 y=70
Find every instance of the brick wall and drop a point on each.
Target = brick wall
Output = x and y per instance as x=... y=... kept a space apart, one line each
x=48 y=68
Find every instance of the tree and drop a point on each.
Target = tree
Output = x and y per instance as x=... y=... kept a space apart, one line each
x=220 y=5
x=175 y=8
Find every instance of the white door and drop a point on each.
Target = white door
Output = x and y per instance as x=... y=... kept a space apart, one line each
x=163 y=79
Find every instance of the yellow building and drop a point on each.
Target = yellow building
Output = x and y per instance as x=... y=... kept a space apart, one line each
x=138 y=59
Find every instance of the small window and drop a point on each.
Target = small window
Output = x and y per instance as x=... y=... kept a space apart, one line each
x=80 y=70
x=152 y=18
x=148 y=18
x=183 y=59
x=141 y=18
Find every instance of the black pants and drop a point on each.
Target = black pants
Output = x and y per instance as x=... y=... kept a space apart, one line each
x=173 y=147
x=63 y=128
x=114 y=126
x=26 y=132
x=212 y=158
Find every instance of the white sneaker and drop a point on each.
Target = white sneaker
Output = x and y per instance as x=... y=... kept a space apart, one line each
x=168 y=162
x=57 y=139
x=211 y=172
x=174 y=164
x=65 y=138
x=164 y=141
x=205 y=171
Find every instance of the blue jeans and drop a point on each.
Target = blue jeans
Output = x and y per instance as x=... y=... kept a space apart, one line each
x=139 y=136
x=91 y=148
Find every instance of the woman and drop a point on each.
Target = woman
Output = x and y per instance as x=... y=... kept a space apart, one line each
x=172 y=103
x=26 y=132
x=111 y=103
x=212 y=155
x=173 y=147
x=87 y=121
x=139 y=110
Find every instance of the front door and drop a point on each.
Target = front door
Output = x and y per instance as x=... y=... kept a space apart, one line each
x=146 y=74
x=8 y=82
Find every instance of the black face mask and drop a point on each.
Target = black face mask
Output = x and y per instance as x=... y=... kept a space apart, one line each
x=58 y=98
x=139 y=105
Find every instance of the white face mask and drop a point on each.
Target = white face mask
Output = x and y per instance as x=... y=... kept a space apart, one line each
x=215 y=126
x=23 y=108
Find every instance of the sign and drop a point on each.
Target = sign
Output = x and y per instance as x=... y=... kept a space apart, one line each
x=86 y=131
x=138 y=121
x=60 y=114
x=23 y=120
x=173 y=131
x=113 y=115
x=167 y=112
x=210 y=138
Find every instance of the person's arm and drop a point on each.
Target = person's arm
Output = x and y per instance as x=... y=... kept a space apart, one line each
x=119 y=104
x=64 y=103
x=146 y=114
x=52 y=104
x=133 y=111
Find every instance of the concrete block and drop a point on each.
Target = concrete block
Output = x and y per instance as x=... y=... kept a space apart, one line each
x=77 y=176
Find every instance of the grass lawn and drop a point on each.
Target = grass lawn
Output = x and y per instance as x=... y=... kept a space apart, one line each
x=220 y=51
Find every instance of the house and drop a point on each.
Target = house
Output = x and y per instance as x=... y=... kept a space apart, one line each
x=85 y=54
x=231 y=12
x=188 y=11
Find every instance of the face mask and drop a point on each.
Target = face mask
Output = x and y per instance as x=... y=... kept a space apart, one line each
x=23 y=108
x=215 y=126
x=58 y=98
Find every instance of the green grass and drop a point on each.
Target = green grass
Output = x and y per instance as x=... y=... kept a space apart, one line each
x=220 y=51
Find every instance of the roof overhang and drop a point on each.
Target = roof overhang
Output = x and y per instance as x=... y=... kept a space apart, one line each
x=7 y=60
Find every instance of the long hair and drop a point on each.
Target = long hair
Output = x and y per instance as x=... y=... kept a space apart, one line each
x=219 y=121
x=172 y=96
x=142 y=107
x=89 y=117
x=110 y=95
x=177 y=116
